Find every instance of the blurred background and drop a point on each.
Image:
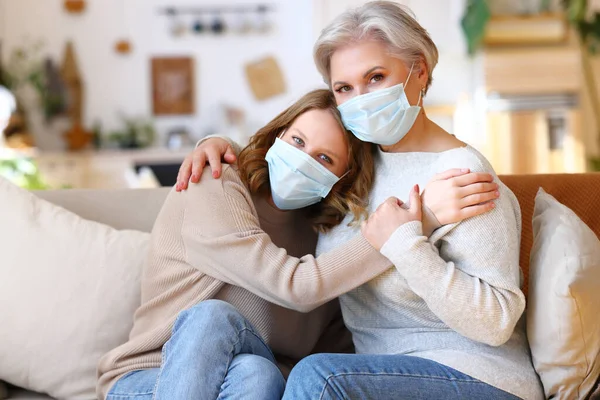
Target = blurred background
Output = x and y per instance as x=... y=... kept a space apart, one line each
x=114 y=93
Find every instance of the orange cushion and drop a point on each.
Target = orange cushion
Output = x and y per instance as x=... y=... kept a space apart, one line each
x=579 y=192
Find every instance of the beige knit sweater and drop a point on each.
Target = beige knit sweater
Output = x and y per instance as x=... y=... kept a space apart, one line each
x=216 y=234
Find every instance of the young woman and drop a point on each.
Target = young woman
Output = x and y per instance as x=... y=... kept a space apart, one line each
x=196 y=336
x=301 y=173
x=445 y=321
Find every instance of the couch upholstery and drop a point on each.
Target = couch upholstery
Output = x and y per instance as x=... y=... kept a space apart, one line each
x=137 y=209
x=579 y=192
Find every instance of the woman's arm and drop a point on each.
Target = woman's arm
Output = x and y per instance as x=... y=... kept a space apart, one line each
x=472 y=281
x=222 y=238
x=449 y=197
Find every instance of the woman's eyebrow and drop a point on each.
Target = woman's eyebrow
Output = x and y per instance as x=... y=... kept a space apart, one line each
x=375 y=68
x=372 y=69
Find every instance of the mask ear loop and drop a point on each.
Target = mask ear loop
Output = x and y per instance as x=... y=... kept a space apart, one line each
x=343 y=176
x=409 y=75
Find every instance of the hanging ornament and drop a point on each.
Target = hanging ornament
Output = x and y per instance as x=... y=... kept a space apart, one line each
x=198 y=26
x=176 y=25
x=218 y=26
x=263 y=24
x=123 y=47
x=75 y=6
x=241 y=25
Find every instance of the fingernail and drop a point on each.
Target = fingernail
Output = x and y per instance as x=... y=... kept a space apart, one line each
x=493 y=205
x=417 y=189
x=497 y=194
x=215 y=174
x=464 y=170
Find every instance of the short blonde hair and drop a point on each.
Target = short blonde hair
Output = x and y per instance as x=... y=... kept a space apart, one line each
x=386 y=21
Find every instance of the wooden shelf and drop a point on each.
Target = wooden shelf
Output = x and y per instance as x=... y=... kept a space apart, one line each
x=539 y=70
x=542 y=29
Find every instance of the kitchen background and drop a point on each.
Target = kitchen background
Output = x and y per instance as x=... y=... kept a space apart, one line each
x=114 y=93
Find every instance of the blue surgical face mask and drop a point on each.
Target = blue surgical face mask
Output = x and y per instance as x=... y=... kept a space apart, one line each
x=383 y=117
x=297 y=179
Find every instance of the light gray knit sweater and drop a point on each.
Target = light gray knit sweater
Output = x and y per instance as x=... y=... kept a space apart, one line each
x=454 y=298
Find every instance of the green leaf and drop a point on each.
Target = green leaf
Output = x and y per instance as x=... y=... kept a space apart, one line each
x=474 y=22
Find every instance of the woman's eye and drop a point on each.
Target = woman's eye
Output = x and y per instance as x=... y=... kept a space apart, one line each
x=326 y=159
x=298 y=141
x=377 y=78
x=343 y=89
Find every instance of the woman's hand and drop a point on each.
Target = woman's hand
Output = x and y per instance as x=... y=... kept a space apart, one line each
x=458 y=194
x=212 y=151
x=389 y=216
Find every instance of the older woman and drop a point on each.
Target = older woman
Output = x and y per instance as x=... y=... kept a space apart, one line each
x=445 y=320
x=444 y=323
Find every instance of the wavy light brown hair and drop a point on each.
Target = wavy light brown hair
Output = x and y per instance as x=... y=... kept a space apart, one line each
x=350 y=194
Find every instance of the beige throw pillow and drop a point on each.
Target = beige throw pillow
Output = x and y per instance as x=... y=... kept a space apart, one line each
x=563 y=323
x=68 y=290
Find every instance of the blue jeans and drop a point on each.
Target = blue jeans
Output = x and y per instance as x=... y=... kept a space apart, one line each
x=213 y=353
x=383 y=377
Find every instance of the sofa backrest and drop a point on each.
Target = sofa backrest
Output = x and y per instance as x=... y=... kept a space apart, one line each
x=138 y=208
x=579 y=192
x=121 y=209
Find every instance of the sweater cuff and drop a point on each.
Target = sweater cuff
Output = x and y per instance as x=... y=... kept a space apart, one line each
x=430 y=221
x=402 y=240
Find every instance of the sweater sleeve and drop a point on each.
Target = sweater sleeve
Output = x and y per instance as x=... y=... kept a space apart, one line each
x=471 y=280
x=222 y=238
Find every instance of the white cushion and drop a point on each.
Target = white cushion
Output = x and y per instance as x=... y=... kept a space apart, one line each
x=563 y=316
x=68 y=291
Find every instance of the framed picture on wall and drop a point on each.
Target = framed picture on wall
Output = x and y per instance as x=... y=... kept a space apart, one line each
x=173 y=86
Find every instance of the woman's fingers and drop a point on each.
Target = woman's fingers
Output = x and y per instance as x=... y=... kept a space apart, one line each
x=183 y=177
x=415 y=201
x=230 y=156
x=198 y=163
x=474 y=211
x=451 y=173
x=478 y=198
x=473 y=177
x=214 y=159
x=476 y=188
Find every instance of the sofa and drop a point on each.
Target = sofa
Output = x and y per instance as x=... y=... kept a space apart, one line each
x=137 y=209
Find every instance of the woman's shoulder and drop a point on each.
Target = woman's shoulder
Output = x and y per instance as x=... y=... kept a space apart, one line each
x=206 y=193
x=464 y=157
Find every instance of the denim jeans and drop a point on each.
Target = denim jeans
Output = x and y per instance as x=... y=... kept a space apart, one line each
x=213 y=353
x=383 y=377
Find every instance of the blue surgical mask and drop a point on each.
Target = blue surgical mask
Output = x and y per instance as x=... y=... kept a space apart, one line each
x=297 y=179
x=383 y=117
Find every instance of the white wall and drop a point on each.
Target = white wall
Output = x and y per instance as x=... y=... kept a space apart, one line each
x=116 y=83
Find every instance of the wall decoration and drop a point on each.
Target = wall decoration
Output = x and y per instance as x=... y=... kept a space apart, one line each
x=54 y=95
x=123 y=47
x=218 y=20
x=75 y=6
x=173 y=86
x=265 y=78
x=77 y=137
